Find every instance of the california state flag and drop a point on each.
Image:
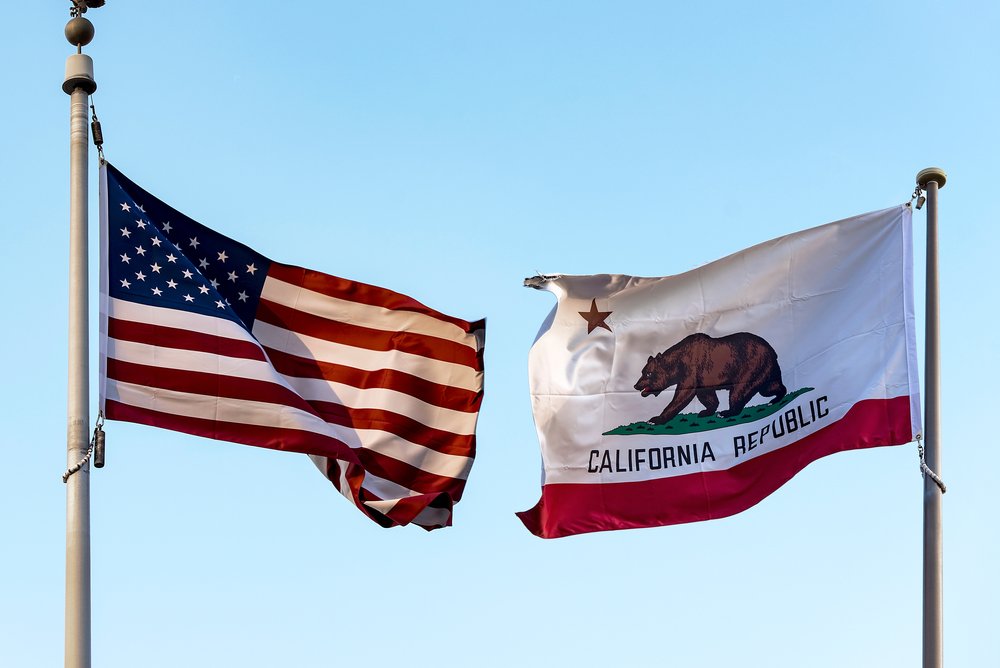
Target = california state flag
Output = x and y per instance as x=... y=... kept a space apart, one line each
x=692 y=397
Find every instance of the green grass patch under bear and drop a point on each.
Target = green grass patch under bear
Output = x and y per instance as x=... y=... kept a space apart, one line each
x=689 y=423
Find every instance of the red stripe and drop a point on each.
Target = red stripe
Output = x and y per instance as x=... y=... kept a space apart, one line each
x=183 y=339
x=248 y=389
x=445 y=396
x=398 y=425
x=358 y=336
x=291 y=440
x=409 y=476
x=209 y=384
x=274 y=438
x=567 y=509
x=361 y=293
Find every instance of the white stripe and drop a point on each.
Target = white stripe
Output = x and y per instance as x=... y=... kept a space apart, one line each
x=386 y=489
x=376 y=398
x=436 y=371
x=423 y=458
x=365 y=315
x=384 y=506
x=171 y=317
x=309 y=389
x=241 y=411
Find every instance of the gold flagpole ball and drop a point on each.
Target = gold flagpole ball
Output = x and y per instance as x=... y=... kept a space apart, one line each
x=79 y=31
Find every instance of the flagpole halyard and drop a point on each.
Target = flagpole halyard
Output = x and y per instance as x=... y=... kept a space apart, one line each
x=79 y=83
x=931 y=180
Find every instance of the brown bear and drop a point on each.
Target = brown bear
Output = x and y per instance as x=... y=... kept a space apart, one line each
x=742 y=363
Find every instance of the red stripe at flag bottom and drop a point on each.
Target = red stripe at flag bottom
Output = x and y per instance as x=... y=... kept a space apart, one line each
x=567 y=509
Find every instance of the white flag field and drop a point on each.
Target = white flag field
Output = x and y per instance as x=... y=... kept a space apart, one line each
x=691 y=397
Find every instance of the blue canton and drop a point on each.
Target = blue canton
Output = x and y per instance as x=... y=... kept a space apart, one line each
x=159 y=256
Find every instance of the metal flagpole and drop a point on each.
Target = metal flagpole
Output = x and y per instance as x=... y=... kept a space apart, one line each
x=78 y=84
x=931 y=180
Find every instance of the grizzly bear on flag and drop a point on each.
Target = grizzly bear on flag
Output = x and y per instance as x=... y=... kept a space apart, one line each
x=743 y=363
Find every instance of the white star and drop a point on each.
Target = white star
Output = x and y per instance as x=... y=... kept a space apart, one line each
x=139 y=206
x=220 y=304
x=215 y=283
x=251 y=269
x=187 y=273
x=140 y=223
x=126 y=207
x=172 y=284
x=204 y=289
x=194 y=242
x=167 y=227
x=126 y=284
x=140 y=276
x=155 y=267
x=157 y=292
x=188 y=298
x=125 y=232
x=232 y=276
x=222 y=256
x=204 y=263
x=243 y=296
x=171 y=257
x=140 y=250
x=125 y=258
x=155 y=240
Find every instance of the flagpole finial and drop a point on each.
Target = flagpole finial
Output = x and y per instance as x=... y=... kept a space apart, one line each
x=925 y=176
x=79 y=32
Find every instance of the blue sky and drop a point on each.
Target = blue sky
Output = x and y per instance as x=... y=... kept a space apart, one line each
x=448 y=150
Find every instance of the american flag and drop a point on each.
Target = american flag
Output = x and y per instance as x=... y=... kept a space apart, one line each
x=203 y=335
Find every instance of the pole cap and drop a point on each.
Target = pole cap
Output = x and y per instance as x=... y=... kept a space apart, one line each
x=79 y=74
x=925 y=176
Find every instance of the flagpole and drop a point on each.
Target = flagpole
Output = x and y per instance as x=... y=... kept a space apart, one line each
x=931 y=180
x=78 y=84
